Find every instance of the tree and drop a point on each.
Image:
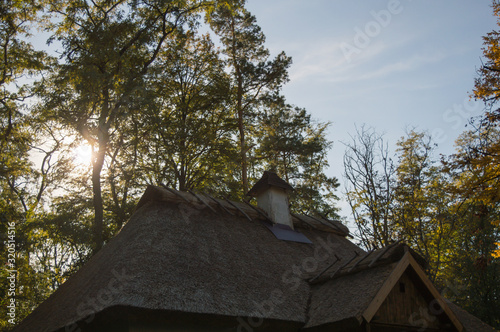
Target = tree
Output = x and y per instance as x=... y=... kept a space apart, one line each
x=487 y=84
x=369 y=171
x=473 y=270
x=422 y=199
x=474 y=262
x=289 y=143
x=253 y=74
x=485 y=152
x=108 y=47
x=476 y=173
x=18 y=60
x=189 y=127
x=156 y=103
x=21 y=185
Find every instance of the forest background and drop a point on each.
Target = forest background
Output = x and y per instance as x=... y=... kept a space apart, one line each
x=185 y=94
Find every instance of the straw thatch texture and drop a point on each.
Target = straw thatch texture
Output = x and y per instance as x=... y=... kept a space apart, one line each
x=178 y=256
x=470 y=322
x=346 y=297
x=360 y=262
x=185 y=256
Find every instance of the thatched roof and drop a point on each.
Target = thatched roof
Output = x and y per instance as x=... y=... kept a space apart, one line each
x=470 y=322
x=187 y=254
x=349 y=285
x=342 y=300
x=176 y=254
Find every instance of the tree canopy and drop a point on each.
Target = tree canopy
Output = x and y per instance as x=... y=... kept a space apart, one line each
x=142 y=87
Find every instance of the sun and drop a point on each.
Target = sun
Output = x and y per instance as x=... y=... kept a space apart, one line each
x=83 y=154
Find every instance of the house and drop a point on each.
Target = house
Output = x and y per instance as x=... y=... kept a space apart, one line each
x=191 y=262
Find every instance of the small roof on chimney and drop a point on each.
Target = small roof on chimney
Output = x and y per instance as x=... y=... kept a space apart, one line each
x=268 y=179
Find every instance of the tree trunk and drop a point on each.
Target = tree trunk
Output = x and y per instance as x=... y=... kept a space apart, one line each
x=243 y=149
x=97 y=164
x=239 y=111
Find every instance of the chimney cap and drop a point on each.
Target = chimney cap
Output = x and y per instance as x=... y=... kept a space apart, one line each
x=268 y=179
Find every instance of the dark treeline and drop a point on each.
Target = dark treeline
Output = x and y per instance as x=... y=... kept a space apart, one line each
x=445 y=207
x=142 y=86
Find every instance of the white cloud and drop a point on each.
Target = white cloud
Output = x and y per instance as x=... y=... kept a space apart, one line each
x=404 y=65
x=325 y=61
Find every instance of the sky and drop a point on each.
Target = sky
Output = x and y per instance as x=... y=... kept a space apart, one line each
x=387 y=64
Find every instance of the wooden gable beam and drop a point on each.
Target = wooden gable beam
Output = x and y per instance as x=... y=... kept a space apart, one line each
x=435 y=293
x=388 y=285
x=237 y=208
x=381 y=253
x=220 y=204
x=177 y=193
x=394 y=277
x=202 y=200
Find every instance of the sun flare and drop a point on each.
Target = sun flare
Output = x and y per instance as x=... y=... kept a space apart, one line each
x=83 y=155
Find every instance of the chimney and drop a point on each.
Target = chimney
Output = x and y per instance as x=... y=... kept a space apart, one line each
x=272 y=197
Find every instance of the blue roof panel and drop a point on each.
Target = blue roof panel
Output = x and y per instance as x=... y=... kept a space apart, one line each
x=286 y=233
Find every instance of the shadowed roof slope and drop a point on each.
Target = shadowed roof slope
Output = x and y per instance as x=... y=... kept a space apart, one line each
x=185 y=254
x=470 y=322
x=176 y=254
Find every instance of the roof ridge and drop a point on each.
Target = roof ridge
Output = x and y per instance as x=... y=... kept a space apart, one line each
x=232 y=207
x=383 y=256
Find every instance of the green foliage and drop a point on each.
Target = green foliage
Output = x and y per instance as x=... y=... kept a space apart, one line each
x=157 y=103
x=189 y=127
x=472 y=268
x=446 y=211
x=474 y=171
x=18 y=61
x=289 y=143
x=421 y=200
x=20 y=190
x=109 y=47
x=487 y=84
x=253 y=75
